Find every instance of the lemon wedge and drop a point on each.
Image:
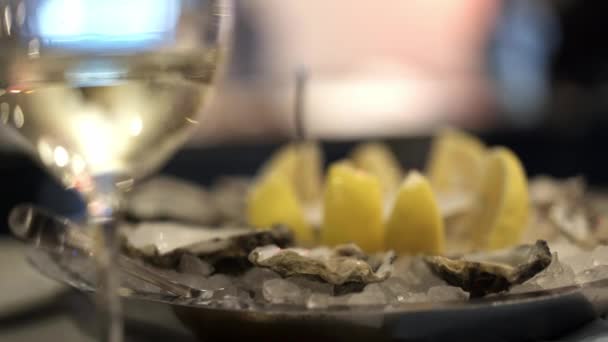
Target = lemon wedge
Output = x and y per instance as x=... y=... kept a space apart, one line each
x=378 y=160
x=456 y=162
x=284 y=162
x=352 y=208
x=500 y=214
x=415 y=225
x=302 y=165
x=273 y=200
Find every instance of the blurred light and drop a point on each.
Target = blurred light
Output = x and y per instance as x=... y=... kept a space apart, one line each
x=5 y=112
x=99 y=208
x=83 y=183
x=526 y=35
x=78 y=164
x=192 y=121
x=95 y=207
x=125 y=185
x=62 y=158
x=364 y=107
x=45 y=152
x=21 y=13
x=8 y=20
x=18 y=117
x=107 y=24
x=95 y=75
x=14 y=91
x=136 y=126
x=125 y=292
x=33 y=48
x=93 y=132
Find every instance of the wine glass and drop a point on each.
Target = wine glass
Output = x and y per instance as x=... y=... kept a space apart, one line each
x=103 y=92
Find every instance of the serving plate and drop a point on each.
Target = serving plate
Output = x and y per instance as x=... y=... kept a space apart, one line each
x=512 y=317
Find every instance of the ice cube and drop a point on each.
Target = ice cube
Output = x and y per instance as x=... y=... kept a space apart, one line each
x=218 y=281
x=580 y=261
x=241 y=300
x=254 y=280
x=192 y=280
x=418 y=297
x=416 y=274
x=222 y=285
x=310 y=285
x=371 y=295
x=318 y=301
x=191 y=264
x=557 y=274
x=592 y=274
x=587 y=260
x=396 y=289
x=446 y=293
x=256 y=276
x=280 y=291
x=600 y=255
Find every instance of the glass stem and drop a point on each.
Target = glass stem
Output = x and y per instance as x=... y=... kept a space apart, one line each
x=103 y=207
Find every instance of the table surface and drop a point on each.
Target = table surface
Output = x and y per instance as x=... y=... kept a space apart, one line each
x=34 y=308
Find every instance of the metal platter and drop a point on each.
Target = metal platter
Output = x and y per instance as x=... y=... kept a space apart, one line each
x=530 y=316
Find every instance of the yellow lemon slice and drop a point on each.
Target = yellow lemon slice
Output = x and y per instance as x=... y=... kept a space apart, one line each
x=379 y=160
x=302 y=165
x=352 y=208
x=456 y=162
x=284 y=161
x=500 y=214
x=415 y=225
x=272 y=201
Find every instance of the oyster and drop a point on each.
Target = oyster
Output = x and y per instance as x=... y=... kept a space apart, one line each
x=229 y=195
x=338 y=266
x=223 y=203
x=546 y=191
x=566 y=209
x=163 y=244
x=484 y=273
x=187 y=202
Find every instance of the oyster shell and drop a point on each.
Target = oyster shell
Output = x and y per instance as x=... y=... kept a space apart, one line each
x=223 y=203
x=338 y=266
x=187 y=202
x=484 y=273
x=229 y=195
x=565 y=208
x=162 y=244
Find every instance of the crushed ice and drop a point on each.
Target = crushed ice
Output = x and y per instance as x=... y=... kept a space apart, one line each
x=411 y=281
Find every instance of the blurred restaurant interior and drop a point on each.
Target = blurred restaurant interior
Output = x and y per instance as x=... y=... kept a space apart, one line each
x=531 y=75
x=527 y=74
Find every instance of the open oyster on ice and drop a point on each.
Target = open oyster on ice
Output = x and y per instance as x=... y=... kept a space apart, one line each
x=492 y=272
x=163 y=244
x=337 y=266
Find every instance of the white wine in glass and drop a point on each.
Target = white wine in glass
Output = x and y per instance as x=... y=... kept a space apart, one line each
x=103 y=92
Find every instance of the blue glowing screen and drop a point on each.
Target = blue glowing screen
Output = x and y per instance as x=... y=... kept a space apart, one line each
x=106 y=24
